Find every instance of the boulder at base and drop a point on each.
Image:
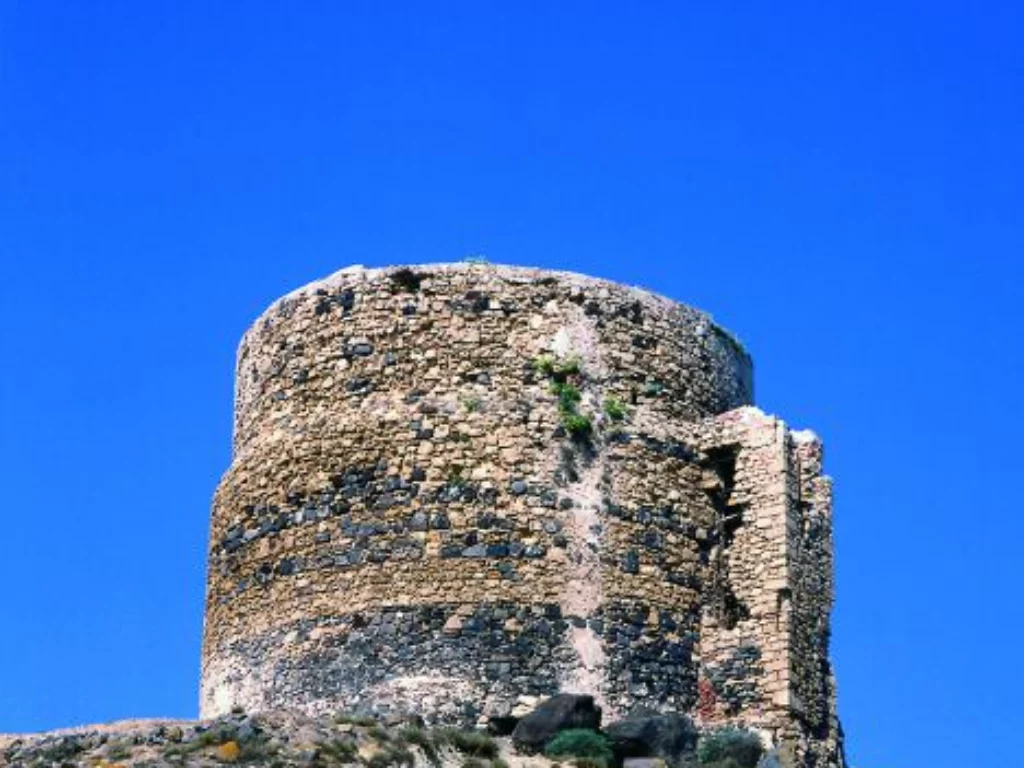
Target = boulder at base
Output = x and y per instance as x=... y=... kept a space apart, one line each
x=669 y=736
x=559 y=713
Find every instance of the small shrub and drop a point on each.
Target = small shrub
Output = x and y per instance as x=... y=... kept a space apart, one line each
x=472 y=404
x=416 y=736
x=568 y=367
x=734 y=744
x=379 y=733
x=544 y=364
x=341 y=751
x=559 y=370
x=65 y=749
x=228 y=752
x=615 y=409
x=472 y=743
x=579 y=744
x=576 y=424
x=567 y=394
x=259 y=751
x=400 y=755
x=119 y=751
x=390 y=756
x=499 y=763
x=413 y=734
x=198 y=742
x=473 y=762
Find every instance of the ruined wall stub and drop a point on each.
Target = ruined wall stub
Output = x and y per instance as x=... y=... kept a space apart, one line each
x=436 y=504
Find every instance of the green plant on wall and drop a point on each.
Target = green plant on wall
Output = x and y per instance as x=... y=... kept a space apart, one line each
x=615 y=409
x=568 y=395
x=576 y=424
x=560 y=371
x=555 y=369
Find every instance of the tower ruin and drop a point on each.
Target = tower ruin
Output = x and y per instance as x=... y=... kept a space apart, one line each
x=453 y=486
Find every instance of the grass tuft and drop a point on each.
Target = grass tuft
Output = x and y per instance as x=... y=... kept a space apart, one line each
x=471 y=743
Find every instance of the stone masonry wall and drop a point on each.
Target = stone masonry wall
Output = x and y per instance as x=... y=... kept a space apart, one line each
x=457 y=485
x=764 y=639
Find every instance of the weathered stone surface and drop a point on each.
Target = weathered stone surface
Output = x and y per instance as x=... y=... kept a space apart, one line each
x=559 y=713
x=669 y=736
x=429 y=509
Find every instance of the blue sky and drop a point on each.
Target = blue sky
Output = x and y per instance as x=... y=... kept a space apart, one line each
x=839 y=184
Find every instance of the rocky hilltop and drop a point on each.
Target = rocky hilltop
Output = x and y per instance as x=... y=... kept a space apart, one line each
x=563 y=730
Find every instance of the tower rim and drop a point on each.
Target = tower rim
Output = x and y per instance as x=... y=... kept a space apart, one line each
x=514 y=272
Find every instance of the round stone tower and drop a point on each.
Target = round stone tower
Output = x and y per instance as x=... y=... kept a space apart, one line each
x=454 y=486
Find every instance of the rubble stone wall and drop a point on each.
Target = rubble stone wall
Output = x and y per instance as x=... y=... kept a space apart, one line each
x=454 y=486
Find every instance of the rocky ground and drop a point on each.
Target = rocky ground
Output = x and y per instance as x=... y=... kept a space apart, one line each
x=269 y=738
x=566 y=727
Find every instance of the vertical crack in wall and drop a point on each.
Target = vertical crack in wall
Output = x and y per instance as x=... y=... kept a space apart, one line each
x=584 y=588
x=729 y=517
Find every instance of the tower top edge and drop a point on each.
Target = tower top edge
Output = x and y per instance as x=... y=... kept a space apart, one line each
x=354 y=274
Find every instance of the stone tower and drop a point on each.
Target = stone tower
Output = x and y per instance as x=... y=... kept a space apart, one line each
x=456 y=485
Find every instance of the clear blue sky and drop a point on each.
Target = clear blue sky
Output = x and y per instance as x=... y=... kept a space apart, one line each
x=842 y=187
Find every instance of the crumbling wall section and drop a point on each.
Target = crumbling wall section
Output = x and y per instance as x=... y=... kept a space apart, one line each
x=813 y=696
x=765 y=623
